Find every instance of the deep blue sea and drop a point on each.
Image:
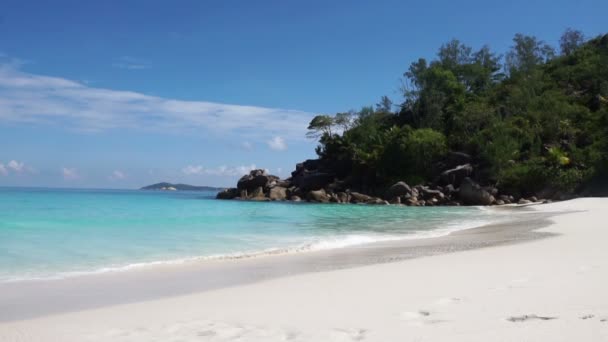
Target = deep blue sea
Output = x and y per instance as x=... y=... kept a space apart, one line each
x=54 y=233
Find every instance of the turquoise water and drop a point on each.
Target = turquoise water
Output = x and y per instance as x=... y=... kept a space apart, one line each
x=50 y=233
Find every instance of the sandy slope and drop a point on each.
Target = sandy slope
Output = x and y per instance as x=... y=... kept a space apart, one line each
x=553 y=289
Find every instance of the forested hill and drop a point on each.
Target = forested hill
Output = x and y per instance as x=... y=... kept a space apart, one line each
x=472 y=127
x=534 y=121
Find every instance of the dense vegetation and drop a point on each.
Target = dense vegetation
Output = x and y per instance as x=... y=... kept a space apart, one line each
x=534 y=121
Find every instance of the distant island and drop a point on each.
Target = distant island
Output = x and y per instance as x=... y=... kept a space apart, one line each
x=164 y=186
x=473 y=127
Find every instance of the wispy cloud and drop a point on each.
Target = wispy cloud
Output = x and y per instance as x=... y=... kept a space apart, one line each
x=117 y=175
x=69 y=173
x=15 y=167
x=32 y=98
x=218 y=171
x=277 y=143
x=193 y=170
x=131 y=63
x=247 y=145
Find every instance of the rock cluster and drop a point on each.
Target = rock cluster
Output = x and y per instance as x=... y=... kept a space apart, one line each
x=313 y=183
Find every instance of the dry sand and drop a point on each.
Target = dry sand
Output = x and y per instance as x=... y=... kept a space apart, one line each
x=550 y=289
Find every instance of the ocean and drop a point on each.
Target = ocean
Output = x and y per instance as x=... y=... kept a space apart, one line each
x=58 y=233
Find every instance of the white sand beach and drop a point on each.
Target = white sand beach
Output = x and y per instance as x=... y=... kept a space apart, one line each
x=549 y=289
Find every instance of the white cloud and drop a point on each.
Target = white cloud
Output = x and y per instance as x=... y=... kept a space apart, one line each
x=131 y=63
x=277 y=143
x=15 y=166
x=193 y=170
x=117 y=175
x=218 y=171
x=247 y=145
x=69 y=173
x=32 y=98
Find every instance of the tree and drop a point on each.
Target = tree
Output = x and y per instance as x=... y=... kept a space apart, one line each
x=484 y=70
x=527 y=53
x=454 y=54
x=343 y=120
x=385 y=105
x=570 y=41
x=320 y=125
x=540 y=129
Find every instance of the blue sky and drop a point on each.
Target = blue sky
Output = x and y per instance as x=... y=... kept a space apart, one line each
x=121 y=94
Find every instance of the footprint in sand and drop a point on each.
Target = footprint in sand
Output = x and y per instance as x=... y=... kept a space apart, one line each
x=419 y=317
x=413 y=315
x=447 y=301
x=206 y=333
x=348 y=334
x=531 y=317
x=513 y=284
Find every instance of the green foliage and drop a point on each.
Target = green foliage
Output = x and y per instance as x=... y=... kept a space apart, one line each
x=320 y=125
x=410 y=154
x=570 y=41
x=542 y=127
x=540 y=175
x=527 y=53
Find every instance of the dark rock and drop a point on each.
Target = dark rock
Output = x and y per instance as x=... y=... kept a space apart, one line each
x=412 y=201
x=357 y=197
x=395 y=200
x=285 y=183
x=313 y=180
x=449 y=190
x=499 y=202
x=312 y=164
x=523 y=201
x=317 y=196
x=299 y=170
x=376 y=200
x=505 y=199
x=533 y=199
x=456 y=175
x=228 y=194
x=398 y=189
x=415 y=192
x=454 y=159
x=473 y=194
x=343 y=197
x=278 y=193
x=295 y=198
x=428 y=194
x=255 y=179
x=257 y=193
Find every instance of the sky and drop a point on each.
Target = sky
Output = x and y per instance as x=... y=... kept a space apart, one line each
x=121 y=94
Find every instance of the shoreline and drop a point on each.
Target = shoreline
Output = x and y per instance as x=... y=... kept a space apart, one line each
x=319 y=245
x=35 y=298
x=542 y=289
